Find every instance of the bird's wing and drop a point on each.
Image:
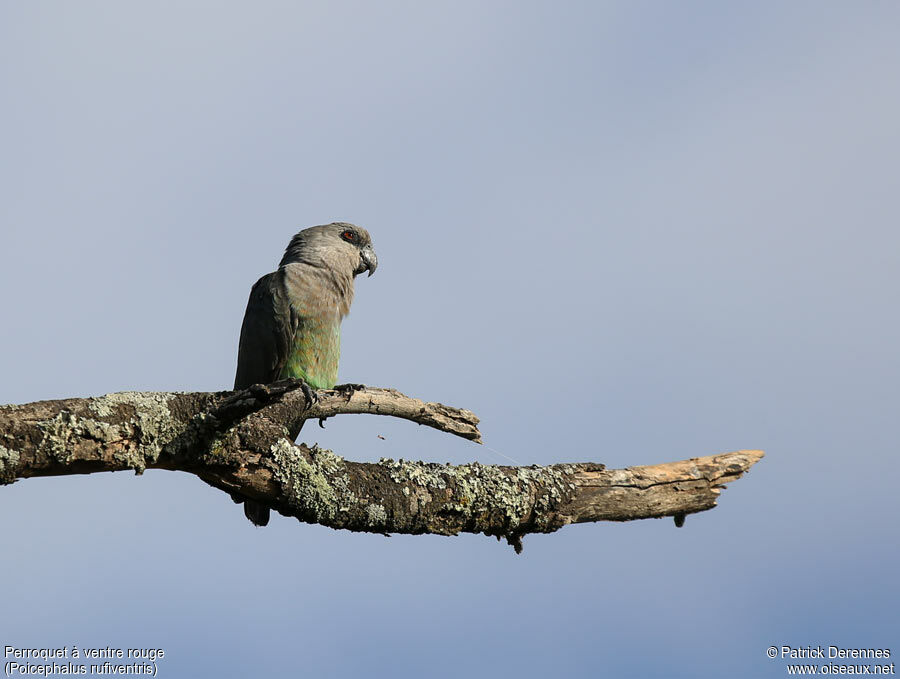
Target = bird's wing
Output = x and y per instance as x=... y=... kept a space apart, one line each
x=266 y=334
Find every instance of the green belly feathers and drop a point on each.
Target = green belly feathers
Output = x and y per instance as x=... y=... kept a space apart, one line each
x=316 y=353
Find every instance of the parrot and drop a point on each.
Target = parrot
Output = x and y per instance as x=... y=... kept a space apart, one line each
x=292 y=325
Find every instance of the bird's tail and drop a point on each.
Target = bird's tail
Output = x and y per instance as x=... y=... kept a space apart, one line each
x=257 y=513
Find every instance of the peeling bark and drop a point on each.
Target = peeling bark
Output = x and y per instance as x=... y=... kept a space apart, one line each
x=241 y=443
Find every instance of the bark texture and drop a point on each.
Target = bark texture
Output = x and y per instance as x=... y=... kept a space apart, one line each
x=242 y=442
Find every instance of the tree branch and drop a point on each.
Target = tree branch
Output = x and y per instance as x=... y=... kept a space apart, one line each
x=241 y=442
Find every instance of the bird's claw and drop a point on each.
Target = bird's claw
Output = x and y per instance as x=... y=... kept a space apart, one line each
x=349 y=388
x=312 y=398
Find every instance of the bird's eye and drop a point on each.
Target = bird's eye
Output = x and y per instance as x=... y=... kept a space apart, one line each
x=349 y=236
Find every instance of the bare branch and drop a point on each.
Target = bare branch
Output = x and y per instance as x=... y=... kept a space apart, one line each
x=375 y=401
x=241 y=443
x=356 y=401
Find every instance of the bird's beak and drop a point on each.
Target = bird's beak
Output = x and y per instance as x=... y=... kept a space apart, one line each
x=367 y=260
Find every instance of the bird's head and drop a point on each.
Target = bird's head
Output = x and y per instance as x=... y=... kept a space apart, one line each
x=341 y=247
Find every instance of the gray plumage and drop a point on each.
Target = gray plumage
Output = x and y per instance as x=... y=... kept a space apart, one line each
x=292 y=323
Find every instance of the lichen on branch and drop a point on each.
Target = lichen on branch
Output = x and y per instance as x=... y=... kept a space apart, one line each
x=241 y=443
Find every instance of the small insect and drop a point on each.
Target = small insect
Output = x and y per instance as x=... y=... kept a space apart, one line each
x=381 y=437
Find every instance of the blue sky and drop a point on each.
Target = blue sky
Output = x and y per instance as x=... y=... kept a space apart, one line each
x=620 y=232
